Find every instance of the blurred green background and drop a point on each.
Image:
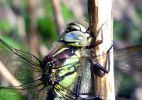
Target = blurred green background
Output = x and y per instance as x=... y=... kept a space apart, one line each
x=32 y=25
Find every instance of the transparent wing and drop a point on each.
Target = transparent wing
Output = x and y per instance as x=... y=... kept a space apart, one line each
x=129 y=59
x=128 y=69
x=24 y=67
x=86 y=82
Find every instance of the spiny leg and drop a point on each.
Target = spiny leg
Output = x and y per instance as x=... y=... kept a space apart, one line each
x=78 y=86
x=77 y=95
x=95 y=36
x=98 y=42
x=100 y=67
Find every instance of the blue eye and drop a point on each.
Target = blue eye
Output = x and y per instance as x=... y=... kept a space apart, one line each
x=72 y=35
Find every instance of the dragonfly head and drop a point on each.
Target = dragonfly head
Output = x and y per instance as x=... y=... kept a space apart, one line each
x=76 y=35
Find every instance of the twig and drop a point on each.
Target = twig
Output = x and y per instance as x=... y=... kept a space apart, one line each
x=34 y=38
x=58 y=16
x=8 y=76
x=100 y=13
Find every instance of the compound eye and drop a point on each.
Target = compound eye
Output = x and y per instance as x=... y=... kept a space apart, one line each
x=75 y=38
x=73 y=27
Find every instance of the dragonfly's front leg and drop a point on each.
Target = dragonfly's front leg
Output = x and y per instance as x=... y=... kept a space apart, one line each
x=98 y=42
x=97 y=67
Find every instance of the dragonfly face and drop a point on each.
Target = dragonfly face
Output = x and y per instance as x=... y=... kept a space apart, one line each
x=76 y=35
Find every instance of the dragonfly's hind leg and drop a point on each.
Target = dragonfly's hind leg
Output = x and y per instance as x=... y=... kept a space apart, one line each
x=97 y=67
x=98 y=98
x=77 y=95
x=51 y=95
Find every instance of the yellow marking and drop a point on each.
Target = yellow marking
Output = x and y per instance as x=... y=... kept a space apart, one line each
x=60 y=50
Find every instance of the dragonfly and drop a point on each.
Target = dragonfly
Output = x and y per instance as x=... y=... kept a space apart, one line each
x=61 y=74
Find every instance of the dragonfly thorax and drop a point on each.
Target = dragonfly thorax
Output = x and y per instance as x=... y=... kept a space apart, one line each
x=49 y=70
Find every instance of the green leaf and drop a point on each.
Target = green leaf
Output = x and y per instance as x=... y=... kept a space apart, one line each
x=4 y=25
x=47 y=29
x=10 y=41
x=10 y=94
x=67 y=13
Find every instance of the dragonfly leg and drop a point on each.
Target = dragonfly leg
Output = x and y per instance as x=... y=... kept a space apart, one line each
x=97 y=66
x=90 y=98
x=98 y=98
x=78 y=87
x=51 y=95
x=78 y=92
x=98 y=42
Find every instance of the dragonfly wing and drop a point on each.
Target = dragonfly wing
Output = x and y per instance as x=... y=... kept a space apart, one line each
x=128 y=69
x=21 y=54
x=86 y=82
x=23 y=66
x=129 y=59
